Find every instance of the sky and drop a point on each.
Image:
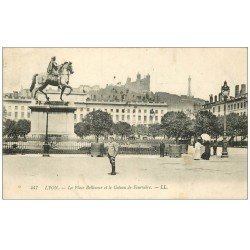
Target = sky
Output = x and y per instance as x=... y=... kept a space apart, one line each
x=169 y=68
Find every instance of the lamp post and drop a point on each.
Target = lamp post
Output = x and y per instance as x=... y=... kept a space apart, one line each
x=46 y=145
x=225 y=90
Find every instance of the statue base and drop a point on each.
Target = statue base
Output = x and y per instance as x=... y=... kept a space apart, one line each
x=60 y=119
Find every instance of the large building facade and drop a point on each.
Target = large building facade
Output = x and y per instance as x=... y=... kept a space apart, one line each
x=17 y=109
x=235 y=104
x=130 y=112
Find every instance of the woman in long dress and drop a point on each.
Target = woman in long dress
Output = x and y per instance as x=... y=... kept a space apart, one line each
x=197 y=152
x=206 y=154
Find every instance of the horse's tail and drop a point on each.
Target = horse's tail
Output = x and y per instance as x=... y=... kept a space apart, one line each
x=33 y=82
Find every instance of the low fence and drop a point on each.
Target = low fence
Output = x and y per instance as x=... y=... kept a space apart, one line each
x=61 y=145
x=79 y=146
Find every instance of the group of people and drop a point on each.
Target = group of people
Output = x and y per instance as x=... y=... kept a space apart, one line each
x=198 y=154
x=198 y=146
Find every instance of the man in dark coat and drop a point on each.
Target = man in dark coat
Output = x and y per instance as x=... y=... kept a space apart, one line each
x=162 y=149
x=112 y=153
x=215 y=145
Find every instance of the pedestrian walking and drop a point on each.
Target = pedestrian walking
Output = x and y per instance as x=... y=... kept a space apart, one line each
x=162 y=149
x=197 y=152
x=215 y=145
x=112 y=153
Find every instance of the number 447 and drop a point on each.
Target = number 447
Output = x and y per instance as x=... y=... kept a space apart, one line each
x=34 y=187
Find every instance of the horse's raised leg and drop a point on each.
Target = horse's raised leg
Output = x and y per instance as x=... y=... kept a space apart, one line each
x=67 y=86
x=35 y=94
x=47 y=98
x=63 y=88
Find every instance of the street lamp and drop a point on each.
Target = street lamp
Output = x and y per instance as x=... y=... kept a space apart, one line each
x=46 y=145
x=225 y=90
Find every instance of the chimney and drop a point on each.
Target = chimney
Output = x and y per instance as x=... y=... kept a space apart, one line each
x=211 y=98
x=15 y=94
x=243 y=89
x=237 y=91
x=215 y=98
x=220 y=97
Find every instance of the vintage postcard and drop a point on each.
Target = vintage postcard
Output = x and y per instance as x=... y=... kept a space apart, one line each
x=125 y=123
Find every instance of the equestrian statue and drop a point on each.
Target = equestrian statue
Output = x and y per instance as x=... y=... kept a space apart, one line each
x=57 y=75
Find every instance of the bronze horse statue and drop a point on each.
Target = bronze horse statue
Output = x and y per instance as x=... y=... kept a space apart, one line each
x=41 y=81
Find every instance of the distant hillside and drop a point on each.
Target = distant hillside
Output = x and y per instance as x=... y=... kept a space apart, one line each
x=120 y=93
x=123 y=94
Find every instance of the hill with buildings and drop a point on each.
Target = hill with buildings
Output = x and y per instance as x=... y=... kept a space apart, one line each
x=139 y=91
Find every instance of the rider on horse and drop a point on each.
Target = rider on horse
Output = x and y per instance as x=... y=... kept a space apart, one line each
x=53 y=70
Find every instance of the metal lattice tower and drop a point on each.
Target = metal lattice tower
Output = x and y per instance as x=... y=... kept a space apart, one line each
x=189 y=87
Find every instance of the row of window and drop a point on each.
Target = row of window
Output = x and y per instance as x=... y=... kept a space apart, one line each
x=106 y=110
x=145 y=118
x=16 y=114
x=239 y=105
x=126 y=110
x=232 y=106
x=239 y=113
x=16 y=107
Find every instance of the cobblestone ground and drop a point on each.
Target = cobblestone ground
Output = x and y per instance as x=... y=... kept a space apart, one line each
x=138 y=177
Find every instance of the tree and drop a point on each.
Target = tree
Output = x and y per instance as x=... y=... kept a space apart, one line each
x=4 y=117
x=23 y=127
x=82 y=129
x=10 y=129
x=243 y=126
x=233 y=124
x=236 y=126
x=99 y=122
x=123 y=129
x=207 y=123
x=140 y=129
x=154 y=130
x=176 y=124
x=190 y=131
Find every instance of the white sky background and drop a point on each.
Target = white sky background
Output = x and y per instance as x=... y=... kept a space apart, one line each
x=169 y=68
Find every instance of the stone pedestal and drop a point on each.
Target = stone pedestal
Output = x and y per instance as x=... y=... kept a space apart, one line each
x=60 y=119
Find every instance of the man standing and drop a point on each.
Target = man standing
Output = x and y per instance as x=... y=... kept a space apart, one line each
x=215 y=145
x=112 y=153
x=162 y=149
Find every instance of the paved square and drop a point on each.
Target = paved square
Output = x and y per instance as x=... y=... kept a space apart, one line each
x=139 y=177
